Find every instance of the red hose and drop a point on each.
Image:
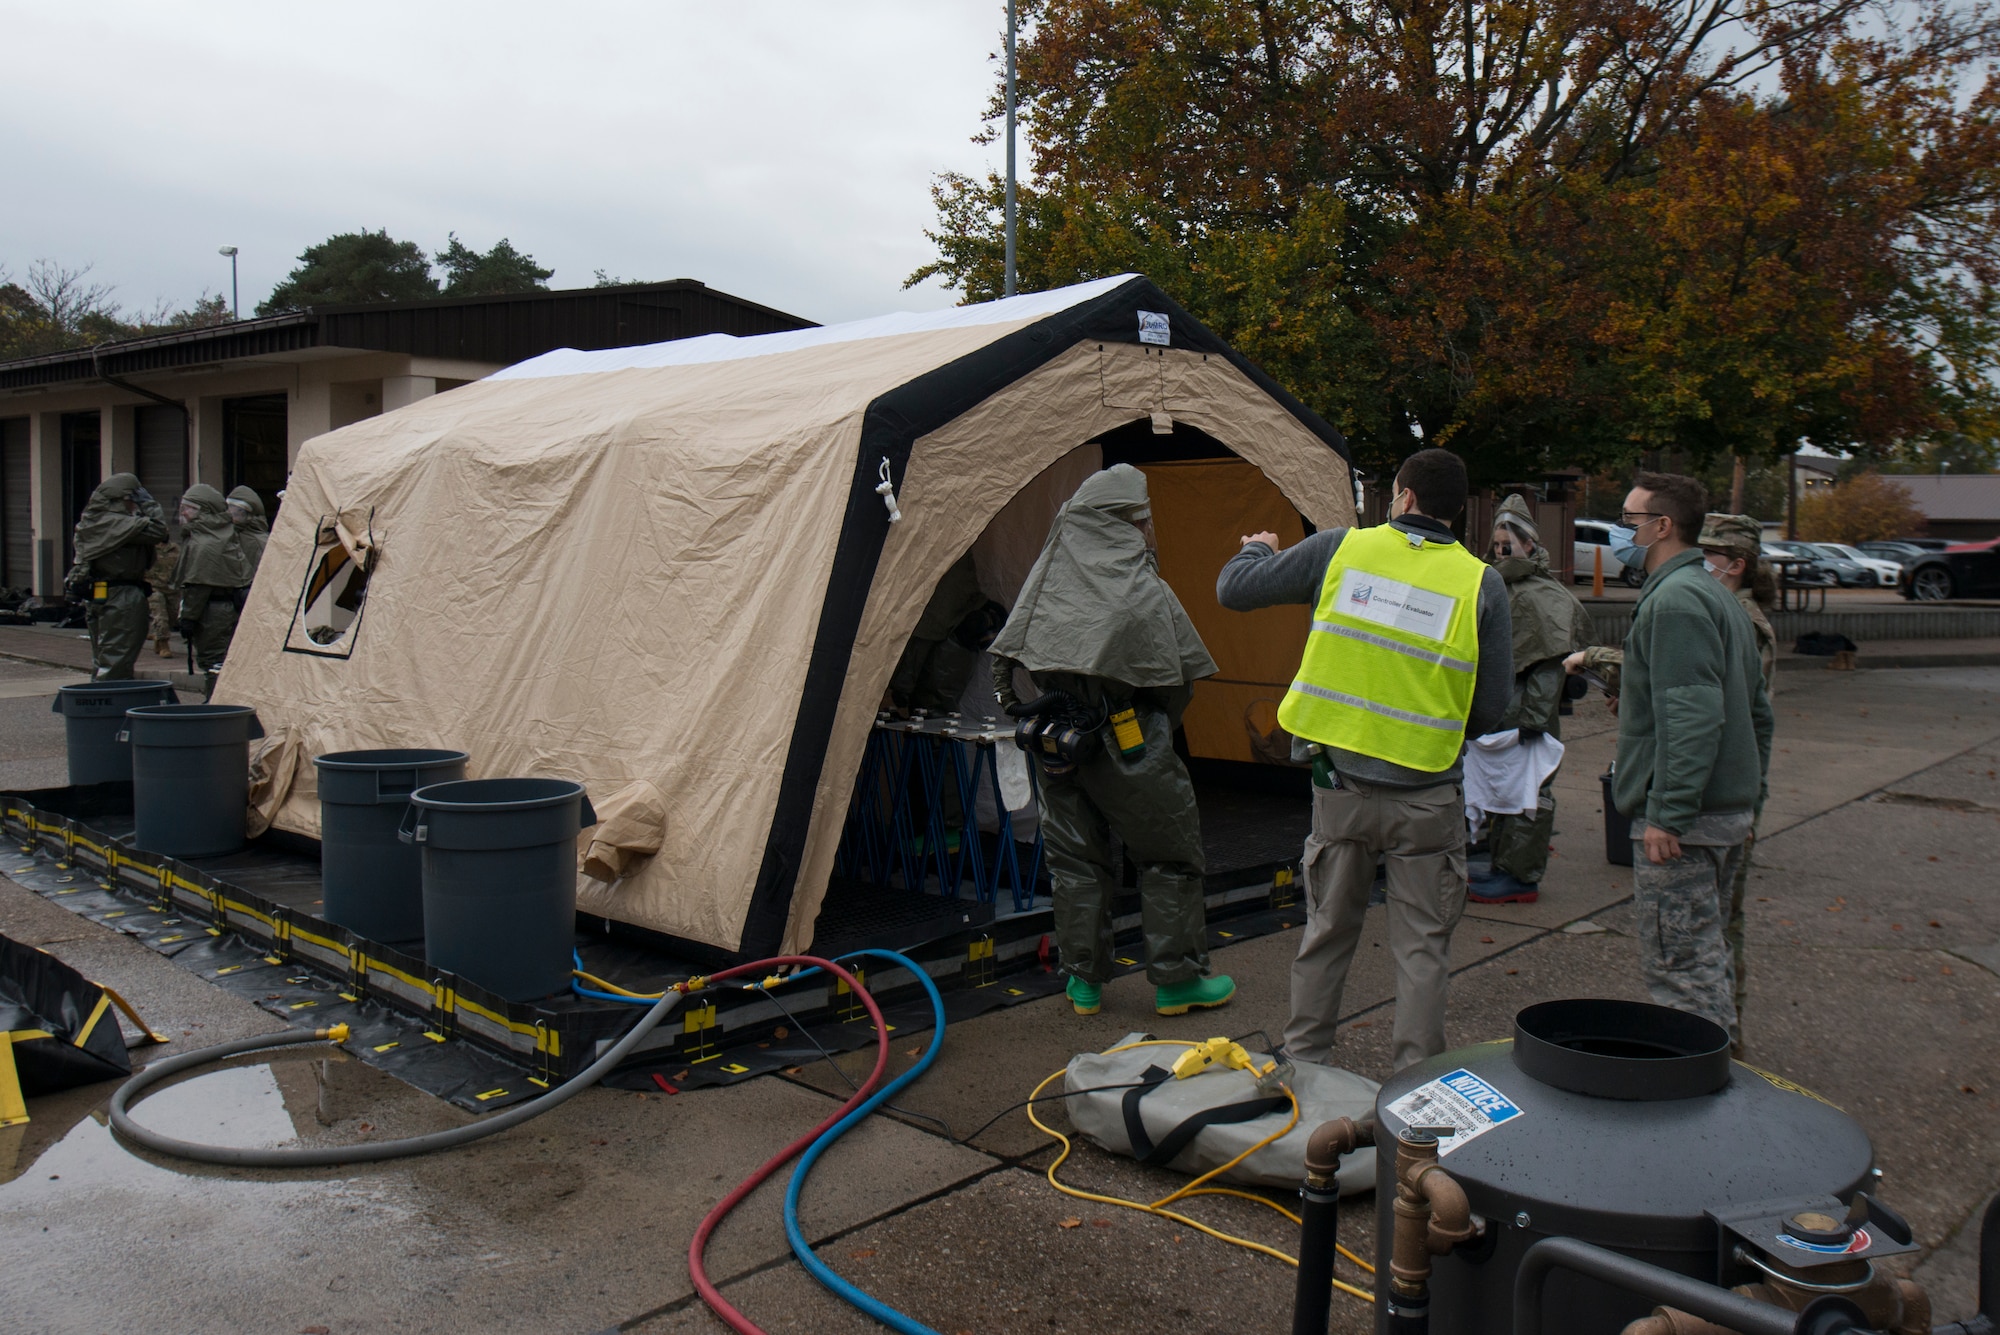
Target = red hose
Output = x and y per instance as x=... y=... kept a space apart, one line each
x=718 y=1304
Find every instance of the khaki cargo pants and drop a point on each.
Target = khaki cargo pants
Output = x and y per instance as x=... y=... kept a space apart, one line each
x=1420 y=832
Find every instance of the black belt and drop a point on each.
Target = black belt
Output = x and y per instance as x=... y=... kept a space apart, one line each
x=1178 y=1139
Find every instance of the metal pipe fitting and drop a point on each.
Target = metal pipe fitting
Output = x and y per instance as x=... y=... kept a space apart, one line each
x=1673 y=1321
x=1732 y=1311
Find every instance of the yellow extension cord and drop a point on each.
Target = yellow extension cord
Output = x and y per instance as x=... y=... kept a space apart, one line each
x=1196 y=1187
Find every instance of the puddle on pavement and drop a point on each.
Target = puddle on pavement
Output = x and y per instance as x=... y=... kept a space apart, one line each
x=68 y=1151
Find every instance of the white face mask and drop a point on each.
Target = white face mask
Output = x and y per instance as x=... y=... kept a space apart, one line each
x=1718 y=571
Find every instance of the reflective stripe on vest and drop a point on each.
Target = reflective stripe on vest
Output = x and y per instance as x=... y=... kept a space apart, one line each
x=1393 y=655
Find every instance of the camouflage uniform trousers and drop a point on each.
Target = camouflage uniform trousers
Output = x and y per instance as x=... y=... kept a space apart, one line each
x=165 y=605
x=117 y=630
x=1149 y=803
x=1682 y=907
x=1732 y=931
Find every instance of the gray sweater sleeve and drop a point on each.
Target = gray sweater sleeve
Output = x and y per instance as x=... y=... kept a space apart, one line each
x=1494 y=687
x=1258 y=577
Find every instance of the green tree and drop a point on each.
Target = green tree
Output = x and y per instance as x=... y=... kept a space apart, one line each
x=499 y=271
x=351 y=268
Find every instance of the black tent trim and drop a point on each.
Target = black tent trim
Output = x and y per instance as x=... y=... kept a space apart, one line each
x=889 y=430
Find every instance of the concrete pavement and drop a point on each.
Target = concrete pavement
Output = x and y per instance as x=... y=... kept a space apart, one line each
x=1873 y=896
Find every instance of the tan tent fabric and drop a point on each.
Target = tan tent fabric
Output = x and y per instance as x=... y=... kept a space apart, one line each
x=616 y=576
x=631 y=826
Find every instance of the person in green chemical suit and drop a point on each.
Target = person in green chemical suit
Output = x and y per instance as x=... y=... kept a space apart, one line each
x=1111 y=651
x=246 y=511
x=213 y=573
x=115 y=540
x=1549 y=625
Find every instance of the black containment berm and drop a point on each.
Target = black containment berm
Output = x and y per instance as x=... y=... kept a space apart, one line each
x=499 y=872
x=371 y=880
x=191 y=777
x=1617 y=1123
x=94 y=726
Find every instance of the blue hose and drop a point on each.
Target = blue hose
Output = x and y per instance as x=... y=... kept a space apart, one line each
x=820 y=1271
x=593 y=994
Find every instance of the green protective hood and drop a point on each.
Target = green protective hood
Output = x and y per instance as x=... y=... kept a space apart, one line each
x=251 y=501
x=105 y=526
x=1095 y=603
x=1549 y=622
x=211 y=552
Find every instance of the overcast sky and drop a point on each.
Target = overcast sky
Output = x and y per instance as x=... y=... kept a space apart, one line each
x=781 y=150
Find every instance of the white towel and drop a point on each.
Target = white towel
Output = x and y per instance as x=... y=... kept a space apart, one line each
x=1504 y=773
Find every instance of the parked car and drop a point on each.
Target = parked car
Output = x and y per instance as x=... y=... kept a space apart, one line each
x=1808 y=566
x=1875 y=571
x=1964 y=570
x=1595 y=535
x=1801 y=569
x=1900 y=550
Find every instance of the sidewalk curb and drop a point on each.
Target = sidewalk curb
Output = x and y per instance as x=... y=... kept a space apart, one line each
x=181 y=681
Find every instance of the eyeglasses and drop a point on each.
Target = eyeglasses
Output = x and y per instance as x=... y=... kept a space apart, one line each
x=1637 y=518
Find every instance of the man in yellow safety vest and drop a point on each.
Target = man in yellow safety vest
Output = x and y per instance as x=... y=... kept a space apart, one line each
x=1410 y=650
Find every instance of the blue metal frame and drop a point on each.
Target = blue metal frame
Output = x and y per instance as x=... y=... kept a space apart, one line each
x=905 y=760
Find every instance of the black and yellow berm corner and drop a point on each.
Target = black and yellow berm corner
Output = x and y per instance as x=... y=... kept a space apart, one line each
x=56 y=1031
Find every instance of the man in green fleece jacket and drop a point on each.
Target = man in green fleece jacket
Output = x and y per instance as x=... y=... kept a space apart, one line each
x=1694 y=749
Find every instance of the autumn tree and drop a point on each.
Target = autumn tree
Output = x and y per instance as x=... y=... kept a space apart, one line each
x=1863 y=508
x=1544 y=234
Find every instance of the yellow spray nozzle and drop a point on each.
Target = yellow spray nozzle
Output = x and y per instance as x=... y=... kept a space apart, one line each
x=337 y=1034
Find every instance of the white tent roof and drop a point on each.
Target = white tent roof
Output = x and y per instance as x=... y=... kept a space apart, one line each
x=727 y=347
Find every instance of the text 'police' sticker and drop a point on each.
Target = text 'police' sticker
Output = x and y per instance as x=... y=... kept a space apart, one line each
x=1153 y=328
x=1460 y=1100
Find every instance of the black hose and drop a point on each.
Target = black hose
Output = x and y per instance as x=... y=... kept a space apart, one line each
x=1319 y=1233
x=130 y=1130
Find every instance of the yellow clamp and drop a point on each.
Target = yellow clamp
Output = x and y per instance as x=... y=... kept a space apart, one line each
x=1218 y=1052
x=694 y=984
x=337 y=1034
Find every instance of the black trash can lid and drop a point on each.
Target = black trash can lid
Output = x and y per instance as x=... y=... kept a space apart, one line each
x=497 y=794
x=392 y=758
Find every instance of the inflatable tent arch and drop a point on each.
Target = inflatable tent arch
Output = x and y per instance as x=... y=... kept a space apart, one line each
x=667 y=571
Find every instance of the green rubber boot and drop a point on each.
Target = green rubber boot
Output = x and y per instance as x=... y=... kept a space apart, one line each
x=1088 y=998
x=1195 y=994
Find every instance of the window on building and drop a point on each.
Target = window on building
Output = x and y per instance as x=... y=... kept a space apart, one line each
x=255 y=453
x=82 y=470
x=17 y=523
x=161 y=437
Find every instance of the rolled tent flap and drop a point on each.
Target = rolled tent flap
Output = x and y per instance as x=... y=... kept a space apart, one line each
x=631 y=826
x=274 y=768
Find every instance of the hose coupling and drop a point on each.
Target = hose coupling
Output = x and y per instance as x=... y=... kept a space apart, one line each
x=1329 y=1144
x=336 y=1034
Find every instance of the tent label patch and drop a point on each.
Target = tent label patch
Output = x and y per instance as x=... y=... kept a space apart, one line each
x=1153 y=328
x=1460 y=1100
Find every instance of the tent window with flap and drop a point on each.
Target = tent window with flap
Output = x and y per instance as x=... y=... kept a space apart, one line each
x=670 y=572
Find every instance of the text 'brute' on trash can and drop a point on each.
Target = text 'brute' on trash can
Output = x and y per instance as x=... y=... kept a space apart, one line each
x=94 y=726
x=373 y=881
x=499 y=871
x=191 y=777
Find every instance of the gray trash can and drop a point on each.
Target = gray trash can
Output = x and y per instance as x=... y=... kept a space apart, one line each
x=499 y=860
x=371 y=880
x=191 y=777
x=94 y=721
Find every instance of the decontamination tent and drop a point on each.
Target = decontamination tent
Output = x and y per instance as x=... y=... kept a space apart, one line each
x=670 y=572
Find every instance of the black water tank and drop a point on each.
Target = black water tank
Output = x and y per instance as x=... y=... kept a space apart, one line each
x=1616 y=1122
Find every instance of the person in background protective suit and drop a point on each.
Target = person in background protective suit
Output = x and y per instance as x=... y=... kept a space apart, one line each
x=211 y=578
x=1549 y=624
x=936 y=663
x=165 y=599
x=1096 y=622
x=246 y=511
x=115 y=539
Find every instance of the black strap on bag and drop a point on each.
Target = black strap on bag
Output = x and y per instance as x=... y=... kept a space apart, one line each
x=1178 y=1139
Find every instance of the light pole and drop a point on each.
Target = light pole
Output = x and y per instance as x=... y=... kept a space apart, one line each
x=235 y=312
x=1009 y=288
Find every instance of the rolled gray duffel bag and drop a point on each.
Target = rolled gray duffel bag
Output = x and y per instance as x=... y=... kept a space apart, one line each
x=1204 y=1120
